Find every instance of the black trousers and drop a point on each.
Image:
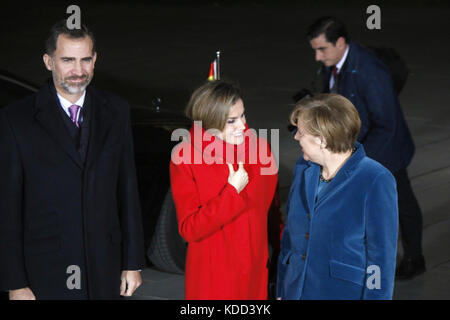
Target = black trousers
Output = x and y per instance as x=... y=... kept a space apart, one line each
x=410 y=216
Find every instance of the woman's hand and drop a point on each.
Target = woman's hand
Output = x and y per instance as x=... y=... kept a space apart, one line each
x=238 y=179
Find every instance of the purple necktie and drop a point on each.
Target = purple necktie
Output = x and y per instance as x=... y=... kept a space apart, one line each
x=73 y=109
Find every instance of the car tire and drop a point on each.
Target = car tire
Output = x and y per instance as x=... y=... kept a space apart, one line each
x=167 y=250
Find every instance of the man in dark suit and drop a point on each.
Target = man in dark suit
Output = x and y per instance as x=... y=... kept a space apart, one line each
x=70 y=221
x=355 y=72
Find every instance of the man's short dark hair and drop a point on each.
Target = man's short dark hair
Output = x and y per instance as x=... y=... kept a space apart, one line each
x=61 y=28
x=331 y=27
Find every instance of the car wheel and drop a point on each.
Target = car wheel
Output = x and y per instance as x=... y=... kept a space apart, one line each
x=167 y=250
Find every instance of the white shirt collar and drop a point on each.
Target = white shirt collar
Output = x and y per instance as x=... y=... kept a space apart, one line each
x=65 y=104
x=341 y=62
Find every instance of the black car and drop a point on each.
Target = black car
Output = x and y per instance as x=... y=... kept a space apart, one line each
x=152 y=128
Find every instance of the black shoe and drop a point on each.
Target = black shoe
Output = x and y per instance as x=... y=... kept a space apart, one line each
x=409 y=268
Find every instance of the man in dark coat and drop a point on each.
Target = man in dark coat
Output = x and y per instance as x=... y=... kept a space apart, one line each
x=70 y=222
x=356 y=73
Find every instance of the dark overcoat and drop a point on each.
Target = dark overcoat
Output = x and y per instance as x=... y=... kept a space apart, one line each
x=367 y=83
x=68 y=227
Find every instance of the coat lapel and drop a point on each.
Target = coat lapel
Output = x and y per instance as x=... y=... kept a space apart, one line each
x=337 y=183
x=343 y=175
x=326 y=71
x=47 y=115
x=350 y=65
x=100 y=125
x=311 y=178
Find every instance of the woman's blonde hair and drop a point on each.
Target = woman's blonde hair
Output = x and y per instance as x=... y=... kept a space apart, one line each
x=330 y=116
x=211 y=103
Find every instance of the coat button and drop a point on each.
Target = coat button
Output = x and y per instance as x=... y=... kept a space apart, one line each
x=307 y=235
x=309 y=216
x=304 y=256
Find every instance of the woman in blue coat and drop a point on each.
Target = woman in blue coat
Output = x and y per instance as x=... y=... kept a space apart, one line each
x=340 y=239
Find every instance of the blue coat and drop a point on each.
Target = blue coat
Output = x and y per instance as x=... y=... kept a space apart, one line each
x=342 y=246
x=367 y=83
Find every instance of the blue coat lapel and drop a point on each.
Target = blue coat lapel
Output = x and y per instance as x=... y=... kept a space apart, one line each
x=343 y=175
x=309 y=190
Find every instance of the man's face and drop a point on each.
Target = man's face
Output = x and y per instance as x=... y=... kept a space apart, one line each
x=326 y=52
x=72 y=64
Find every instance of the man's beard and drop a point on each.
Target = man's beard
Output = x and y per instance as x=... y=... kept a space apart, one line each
x=73 y=89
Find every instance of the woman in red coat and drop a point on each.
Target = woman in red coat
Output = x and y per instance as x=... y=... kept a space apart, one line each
x=223 y=180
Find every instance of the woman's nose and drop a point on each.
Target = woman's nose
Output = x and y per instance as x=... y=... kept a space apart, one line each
x=241 y=124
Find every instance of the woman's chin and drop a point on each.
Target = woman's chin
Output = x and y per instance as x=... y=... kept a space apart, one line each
x=235 y=140
x=239 y=140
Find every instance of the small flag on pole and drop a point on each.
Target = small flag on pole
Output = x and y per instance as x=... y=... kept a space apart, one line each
x=214 y=69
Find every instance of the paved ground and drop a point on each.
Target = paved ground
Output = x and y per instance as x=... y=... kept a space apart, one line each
x=165 y=50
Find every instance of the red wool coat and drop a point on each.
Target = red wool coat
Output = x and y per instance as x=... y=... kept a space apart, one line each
x=226 y=231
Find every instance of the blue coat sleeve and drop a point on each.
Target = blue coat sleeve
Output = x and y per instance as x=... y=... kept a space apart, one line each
x=381 y=237
x=284 y=254
x=286 y=240
x=380 y=99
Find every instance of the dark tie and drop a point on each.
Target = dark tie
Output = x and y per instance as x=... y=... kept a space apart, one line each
x=334 y=88
x=73 y=109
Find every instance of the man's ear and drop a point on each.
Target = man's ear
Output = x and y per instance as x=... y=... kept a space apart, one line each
x=341 y=43
x=94 y=58
x=48 y=62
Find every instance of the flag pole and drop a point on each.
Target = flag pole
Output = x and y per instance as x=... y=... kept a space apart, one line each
x=218 y=64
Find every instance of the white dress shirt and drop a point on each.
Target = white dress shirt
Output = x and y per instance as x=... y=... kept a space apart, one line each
x=65 y=104
x=339 y=66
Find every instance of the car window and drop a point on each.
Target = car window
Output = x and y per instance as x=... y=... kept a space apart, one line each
x=10 y=92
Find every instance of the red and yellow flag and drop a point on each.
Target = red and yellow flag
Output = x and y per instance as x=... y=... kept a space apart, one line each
x=213 y=71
